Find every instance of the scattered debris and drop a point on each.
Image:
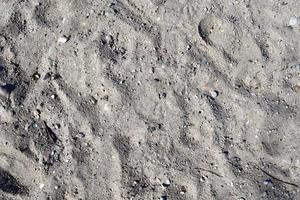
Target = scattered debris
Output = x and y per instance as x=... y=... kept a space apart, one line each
x=51 y=76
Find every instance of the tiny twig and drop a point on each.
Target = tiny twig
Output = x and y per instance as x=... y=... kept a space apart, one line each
x=288 y=183
x=212 y=172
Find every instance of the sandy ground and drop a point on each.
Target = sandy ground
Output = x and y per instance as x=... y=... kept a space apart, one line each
x=149 y=99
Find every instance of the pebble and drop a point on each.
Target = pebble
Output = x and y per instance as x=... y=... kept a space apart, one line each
x=36 y=76
x=42 y=185
x=94 y=101
x=37 y=113
x=57 y=126
x=203 y=178
x=214 y=93
x=63 y=39
x=267 y=182
x=53 y=96
x=80 y=135
x=293 y=21
x=183 y=190
x=167 y=183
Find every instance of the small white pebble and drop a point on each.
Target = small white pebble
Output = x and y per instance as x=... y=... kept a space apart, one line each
x=266 y=182
x=62 y=39
x=53 y=96
x=42 y=185
x=37 y=76
x=293 y=21
x=214 y=93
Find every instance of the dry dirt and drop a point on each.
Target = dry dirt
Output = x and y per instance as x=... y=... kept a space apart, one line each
x=149 y=99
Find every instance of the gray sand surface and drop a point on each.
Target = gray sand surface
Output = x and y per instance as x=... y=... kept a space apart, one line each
x=149 y=100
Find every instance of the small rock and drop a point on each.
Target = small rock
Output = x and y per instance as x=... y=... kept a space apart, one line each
x=183 y=190
x=267 y=182
x=37 y=113
x=293 y=21
x=42 y=185
x=53 y=96
x=63 y=39
x=214 y=93
x=57 y=126
x=166 y=183
x=80 y=135
x=36 y=76
x=203 y=178
x=94 y=101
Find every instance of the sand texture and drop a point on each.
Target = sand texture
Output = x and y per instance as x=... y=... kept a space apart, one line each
x=149 y=100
